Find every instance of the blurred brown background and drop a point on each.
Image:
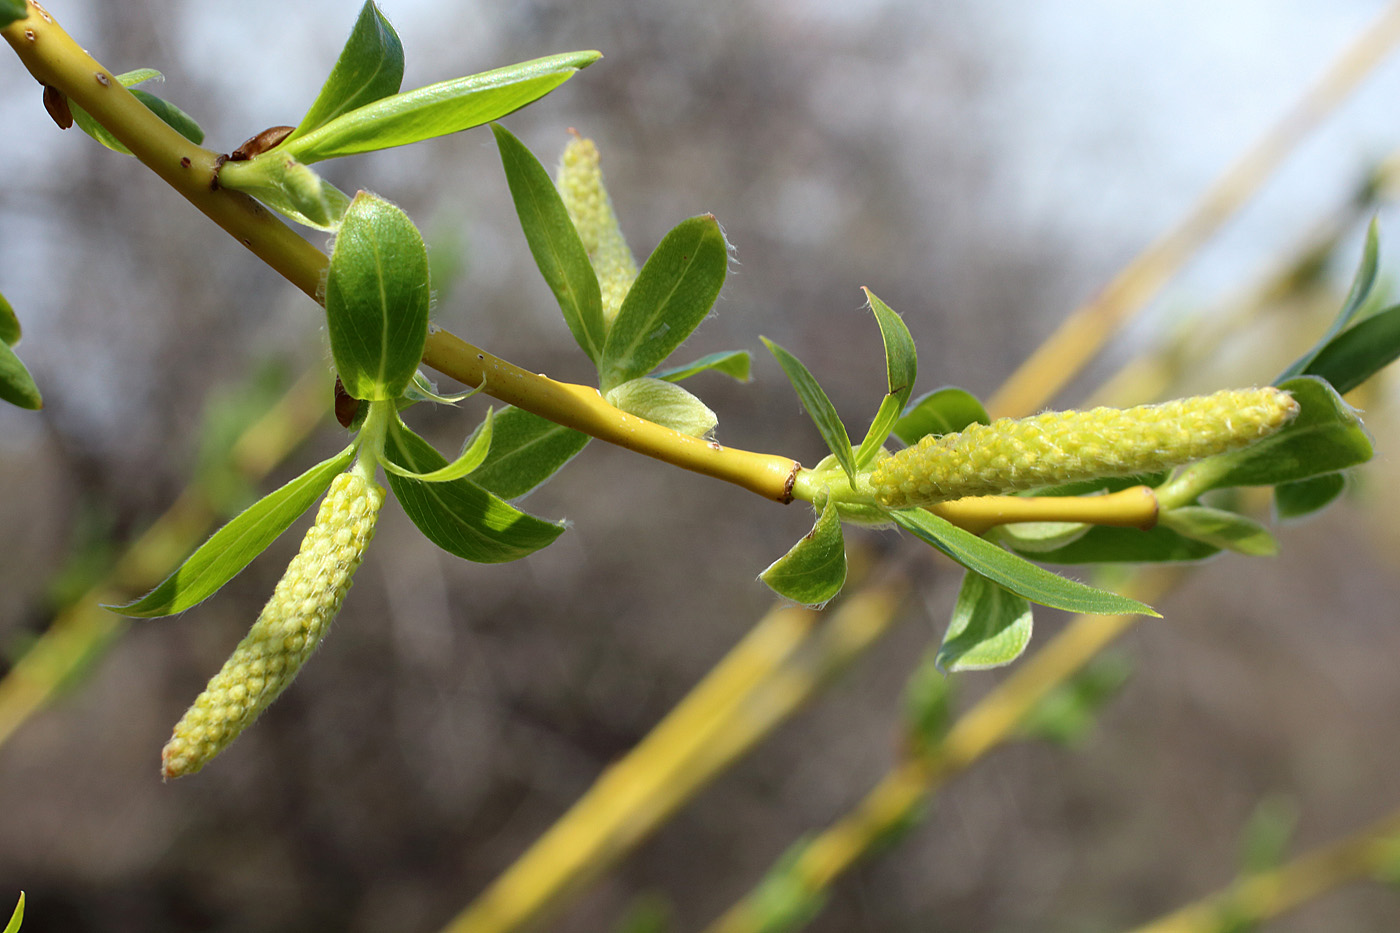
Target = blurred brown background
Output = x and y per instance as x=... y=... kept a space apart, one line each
x=981 y=167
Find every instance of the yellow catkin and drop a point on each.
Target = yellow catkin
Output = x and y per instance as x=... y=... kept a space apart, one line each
x=1067 y=447
x=581 y=187
x=286 y=633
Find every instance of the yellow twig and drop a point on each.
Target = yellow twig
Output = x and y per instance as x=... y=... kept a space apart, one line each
x=1056 y=361
x=780 y=664
x=81 y=630
x=1366 y=854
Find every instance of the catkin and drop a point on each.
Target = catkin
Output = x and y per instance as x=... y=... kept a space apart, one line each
x=1067 y=447
x=581 y=187
x=286 y=633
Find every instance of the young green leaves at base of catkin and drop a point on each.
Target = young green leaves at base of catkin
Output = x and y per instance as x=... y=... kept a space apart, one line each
x=288 y=630
x=1067 y=447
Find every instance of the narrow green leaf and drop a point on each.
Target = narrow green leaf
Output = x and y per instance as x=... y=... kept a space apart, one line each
x=928 y=703
x=525 y=451
x=1014 y=573
x=472 y=455
x=459 y=516
x=370 y=67
x=1360 y=352
x=292 y=189
x=12 y=11
x=18 y=916
x=9 y=324
x=1294 y=500
x=1361 y=285
x=555 y=244
x=1325 y=437
x=813 y=571
x=16 y=385
x=438 y=109
x=942 y=411
x=991 y=627
x=377 y=299
x=818 y=406
x=1266 y=837
x=674 y=291
x=901 y=367
x=733 y=363
x=1221 y=528
x=233 y=546
x=1103 y=544
x=176 y=118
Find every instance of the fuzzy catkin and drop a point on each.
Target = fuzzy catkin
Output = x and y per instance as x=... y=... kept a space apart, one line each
x=287 y=631
x=1067 y=447
x=580 y=185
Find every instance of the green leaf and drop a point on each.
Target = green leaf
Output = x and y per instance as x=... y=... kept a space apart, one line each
x=733 y=363
x=12 y=11
x=370 y=67
x=783 y=902
x=9 y=324
x=818 y=406
x=901 y=366
x=814 y=570
x=1266 y=837
x=942 y=411
x=1014 y=573
x=1067 y=713
x=1361 y=285
x=438 y=109
x=290 y=188
x=459 y=516
x=234 y=546
x=1294 y=500
x=1103 y=544
x=555 y=243
x=990 y=627
x=526 y=450
x=472 y=456
x=173 y=116
x=1360 y=352
x=664 y=403
x=1325 y=437
x=18 y=916
x=1221 y=528
x=1039 y=537
x=377 y=299
x=674 y=291
x=928 y=703
x=16 y=385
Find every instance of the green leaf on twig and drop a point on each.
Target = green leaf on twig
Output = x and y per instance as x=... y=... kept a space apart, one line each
x=370 y=67
x=176 y=118
x=233 y=546
x=1221 y=528
x=18 y=916
x=942 y=411
x=555 y=243
x=673 y=292
x=472 y=455
x=901 y=367
x=814 y=570
x=1294 y=500
x=1014 y=573
x=16 y=385
x=1104 y=544
x=1360 y=352
x=459 y=516
x=1361 y=286
x=377 y=299
x=991 y=627
x=818 y=406
x=436 y=110
x=525 y=451
x=10 y=331
x=12 y=11
x=732 y=363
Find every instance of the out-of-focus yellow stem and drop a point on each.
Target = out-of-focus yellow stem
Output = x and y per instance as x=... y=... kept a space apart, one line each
x=1059 y=358
x=1258 y=897
x=781 y=663
x=84 y=628
x=988 y=724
